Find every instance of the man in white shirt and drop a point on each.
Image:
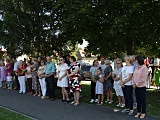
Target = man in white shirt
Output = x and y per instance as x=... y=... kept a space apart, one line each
x=17 y=87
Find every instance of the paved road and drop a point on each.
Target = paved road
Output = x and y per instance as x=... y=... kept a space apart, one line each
x=56 y=110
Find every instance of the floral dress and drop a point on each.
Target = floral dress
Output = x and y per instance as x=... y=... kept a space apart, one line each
x=109 y=81
x=74 y=84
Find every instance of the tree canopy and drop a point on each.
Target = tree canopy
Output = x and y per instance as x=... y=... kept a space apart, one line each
x=40 y=27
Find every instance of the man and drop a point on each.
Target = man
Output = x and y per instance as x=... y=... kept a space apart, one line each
x=49 y=78
x=17 y=87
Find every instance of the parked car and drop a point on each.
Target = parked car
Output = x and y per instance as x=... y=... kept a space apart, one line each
x=85 y=71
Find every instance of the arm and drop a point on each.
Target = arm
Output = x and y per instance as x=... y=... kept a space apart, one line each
x=128 y=79
x=102 y=79
x=63 y=75
x=75 y=71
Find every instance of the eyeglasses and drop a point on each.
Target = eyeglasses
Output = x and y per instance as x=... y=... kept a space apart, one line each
x=118 y=63
x=60 y=59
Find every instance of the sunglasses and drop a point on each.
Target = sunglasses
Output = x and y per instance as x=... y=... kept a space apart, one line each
x=60 y=59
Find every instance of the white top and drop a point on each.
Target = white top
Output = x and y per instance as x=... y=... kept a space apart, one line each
x=93 y=71
x=9 y=78
x=42 y=69
x=28 y=75
x=103 y=67
x=16 y=66
x=126 y=70
x=62 y=69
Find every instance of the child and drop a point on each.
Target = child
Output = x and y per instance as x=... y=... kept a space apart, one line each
x=9 y=81
x=99 y=86
x=157 y=76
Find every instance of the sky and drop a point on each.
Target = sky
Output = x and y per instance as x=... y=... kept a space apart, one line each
x=84 y=44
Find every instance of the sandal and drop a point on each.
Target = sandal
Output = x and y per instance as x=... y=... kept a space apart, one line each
x=77 y=103
x=73 y=102
x=137 y=115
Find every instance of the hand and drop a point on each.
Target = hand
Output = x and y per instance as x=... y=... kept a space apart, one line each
x=134 y=86
x=46 y=76
x=122 y=84
x=59 y=78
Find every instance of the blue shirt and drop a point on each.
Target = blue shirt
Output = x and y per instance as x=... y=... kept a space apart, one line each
x=50 y=67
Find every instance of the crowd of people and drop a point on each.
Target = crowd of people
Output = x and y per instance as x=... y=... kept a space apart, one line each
x=128 y=81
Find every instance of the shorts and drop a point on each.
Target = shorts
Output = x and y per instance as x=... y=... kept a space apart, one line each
x=9 y=83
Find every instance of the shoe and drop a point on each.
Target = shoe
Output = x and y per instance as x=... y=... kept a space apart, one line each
x=73 y=102
x=119 y=104
x=106 y=101
x=39 y=95
x=63 y=100
x=96 y=100
x=137 y=115
x=142 y=116
x=110 y=102
x=122 y=105
x=92 y=101
x=125 y=111
x=77 y=103
x=67 y=101
x=131 y=112
x=35 y=94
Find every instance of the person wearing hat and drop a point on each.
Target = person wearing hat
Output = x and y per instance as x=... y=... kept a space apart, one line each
x=108 y=82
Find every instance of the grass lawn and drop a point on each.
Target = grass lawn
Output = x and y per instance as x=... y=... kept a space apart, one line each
x=10 y=115
x=153 y=99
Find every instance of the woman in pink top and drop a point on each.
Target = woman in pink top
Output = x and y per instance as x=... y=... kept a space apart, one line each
x=139 y=84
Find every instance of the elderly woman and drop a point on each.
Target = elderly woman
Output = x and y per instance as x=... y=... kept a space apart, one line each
x=139 y=84
x=109 y=82
x=21 y=77
x=35 y=82
x=126 y=83
x=75 y=85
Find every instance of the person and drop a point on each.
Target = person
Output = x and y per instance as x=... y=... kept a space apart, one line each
x=102 y=64
x=126 y=83
x=3 y=73
x=9 y=81
x=93 y=74
x=49 y=78
x=21 y=77
x=108 y=82
x=17 y=86
x=157 y=76
x=99 y=86
x=115 y=59
x=62 y=78
x=74 y=84
x=41 y=76
x=152 y=65
x=139 y=84
x=35 y=82
x=29 y=77
x=148 y=80
x=68 y=60
x=117 y=86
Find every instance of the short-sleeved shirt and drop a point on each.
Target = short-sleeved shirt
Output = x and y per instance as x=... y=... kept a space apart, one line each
x=27 y=74
x=107 y=70
x=50 y=68
x=126 y=71
x=9 y=78
x=93 y=71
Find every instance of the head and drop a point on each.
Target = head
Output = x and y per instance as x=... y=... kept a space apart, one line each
x=99 y=71
x=95 y=63
x=62 y=60
x=119 y=63
x=7 y=61
x=67 y=57
x=133 y=58
x=20 y=63
x=139 y=60
x=48 y=58
x=42 y=62
x=128 y=60
x=157 y=66
x=102 y=59
x=107 y=62
x=14 y=59
x=34 y=60
x=28 y=62
x=72 y=59
x=39 y=59
x=115 y=55
x=9 y=74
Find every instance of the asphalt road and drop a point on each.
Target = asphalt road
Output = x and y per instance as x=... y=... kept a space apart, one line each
x=56 y=110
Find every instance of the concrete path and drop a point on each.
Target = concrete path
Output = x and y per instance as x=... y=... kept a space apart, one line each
x=56 y=110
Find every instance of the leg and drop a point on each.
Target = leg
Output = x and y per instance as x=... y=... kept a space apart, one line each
x=130 y=96
x=23 y=84
x=92 y=90
x=77 y=93
x=20 y=83
x=63 y=95
x=126 y=98
x=17 y=82
x=66 y=93
x=51 y=86
x=111 y=95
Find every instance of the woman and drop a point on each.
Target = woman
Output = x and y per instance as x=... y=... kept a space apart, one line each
x=93 y=74
x=117 y=86
x=21 y=77
x=139 y=84
x=8 y=68
x=62 y=78
x=41 y=75
x=74 y=84
x=35 y=82
x=109 y=82
x=29 y=77
x=126 y=83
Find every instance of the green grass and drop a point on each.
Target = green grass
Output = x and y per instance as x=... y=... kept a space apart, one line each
x=10 y=115
x=153 y=100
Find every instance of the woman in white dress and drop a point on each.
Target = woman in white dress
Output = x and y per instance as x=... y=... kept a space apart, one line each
x=62 y=78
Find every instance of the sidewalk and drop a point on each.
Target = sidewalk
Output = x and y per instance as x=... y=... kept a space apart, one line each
x=56 y=110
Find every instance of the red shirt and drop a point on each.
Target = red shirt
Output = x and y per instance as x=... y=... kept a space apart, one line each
x=20 y=71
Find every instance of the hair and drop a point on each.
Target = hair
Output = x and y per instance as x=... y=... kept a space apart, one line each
x=7 y=60
x=107 y=62
x=43 y=61
x=94 y=62
x=129 y=58
x=35 y=59
x=64 y=58
x=140 y=60
x=102 y=57
x=100 y=69
x=73 y=58
x=119 y=60
x=28 y=61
